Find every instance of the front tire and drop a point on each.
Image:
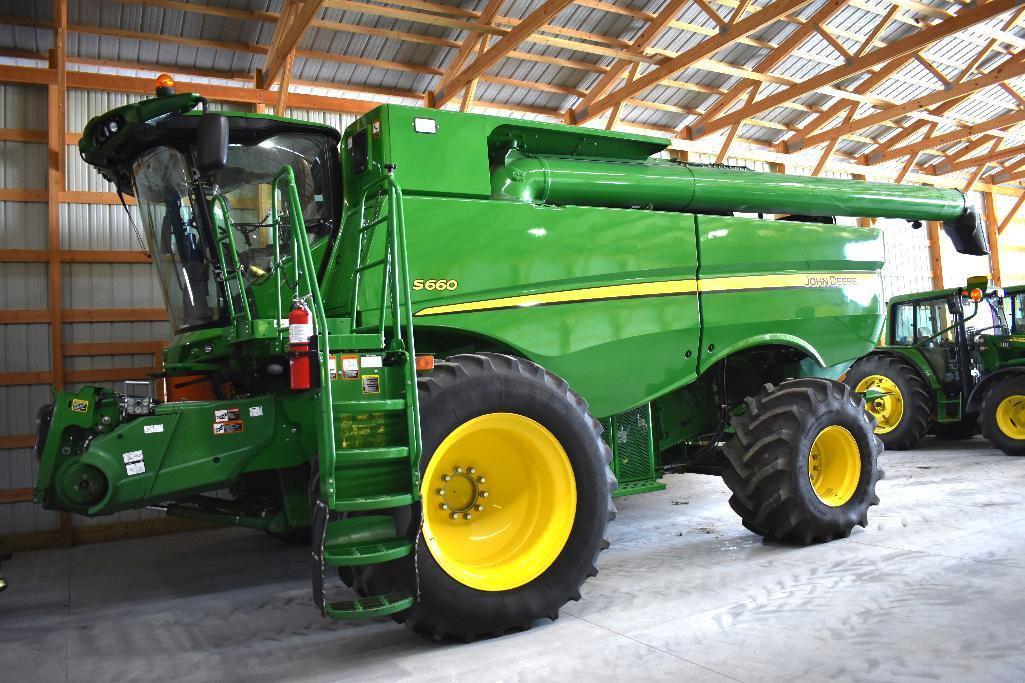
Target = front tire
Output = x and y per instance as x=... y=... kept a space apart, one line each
x=502 y=434
x=1003 y=415
x=802 y=465
x=903 y=413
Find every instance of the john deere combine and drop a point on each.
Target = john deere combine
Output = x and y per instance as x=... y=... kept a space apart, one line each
x=953 y=362
x=439 y=339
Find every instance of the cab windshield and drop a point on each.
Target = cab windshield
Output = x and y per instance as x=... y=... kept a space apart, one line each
x=181 y=238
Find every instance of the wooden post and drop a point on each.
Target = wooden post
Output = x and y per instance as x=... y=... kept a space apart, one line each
x=286 y=78
x=56 y=99
x=935 y=254
x=990 y=209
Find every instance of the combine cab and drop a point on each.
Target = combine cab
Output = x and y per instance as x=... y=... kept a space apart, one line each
x=953 y=362
x=433 y=343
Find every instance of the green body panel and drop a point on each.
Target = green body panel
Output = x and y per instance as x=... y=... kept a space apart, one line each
x=611 y=269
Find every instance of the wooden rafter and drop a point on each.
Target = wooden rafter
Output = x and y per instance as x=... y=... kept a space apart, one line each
x=913 y=43
x=1007 y=120
x=706 y=48
x=639 y=44
x=470 y=43
x=767 y=63
x=292 y=23
x=539 y=17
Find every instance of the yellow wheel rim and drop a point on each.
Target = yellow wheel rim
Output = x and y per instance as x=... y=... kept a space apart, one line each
x=834 y=465
x=888 y=409
x=1011 y=417
x=499 y=499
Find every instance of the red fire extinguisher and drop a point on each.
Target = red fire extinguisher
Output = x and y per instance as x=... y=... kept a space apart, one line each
x=300 y=331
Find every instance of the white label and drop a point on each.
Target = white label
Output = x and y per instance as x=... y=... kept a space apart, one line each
x=300 y=334
x=256 y=411
x=132 y=456
x=135 y=468
x=332 y=367
x=425 y=125
x=152 y=429
x=371 y=361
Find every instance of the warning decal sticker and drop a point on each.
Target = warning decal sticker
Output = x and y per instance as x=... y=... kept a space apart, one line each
x=371 y=384
x=234 y=427
x=350 y=367
x=227 y=415
x=152 y=429
x=79 y=405
x=332 y=367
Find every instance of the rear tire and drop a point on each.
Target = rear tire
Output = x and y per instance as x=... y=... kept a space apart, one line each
x=898 y=427
x=456 y=396
x=1003 y=414
x=802 y=465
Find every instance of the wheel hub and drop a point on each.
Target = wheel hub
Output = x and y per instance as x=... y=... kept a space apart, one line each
x=834 y=465
x=1011 y=417
x=462 y=493
x=887 y=403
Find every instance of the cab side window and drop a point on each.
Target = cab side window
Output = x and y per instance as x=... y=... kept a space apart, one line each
x=904 y=325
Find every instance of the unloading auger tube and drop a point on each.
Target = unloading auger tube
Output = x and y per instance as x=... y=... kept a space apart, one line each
x=674 y=186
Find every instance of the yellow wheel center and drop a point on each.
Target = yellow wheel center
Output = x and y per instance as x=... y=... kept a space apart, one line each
x=834 y=465
x=888 y=409
x=499 y=500
x=1011 y=417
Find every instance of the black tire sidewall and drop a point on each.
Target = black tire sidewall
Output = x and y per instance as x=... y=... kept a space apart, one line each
x=908 y=381
x=1001 y=389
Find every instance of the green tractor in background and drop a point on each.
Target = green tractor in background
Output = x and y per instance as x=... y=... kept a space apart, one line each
x=953 y=363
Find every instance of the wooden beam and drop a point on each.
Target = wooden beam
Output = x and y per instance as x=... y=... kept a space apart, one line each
x=14 y=195
x=990 y=157
x=8 y=496
x=644 y=40
x=56 y=100
x=13 y=441
x=1008 y=70
x=111 y=374
x=1010 y=215
x=470 y=43
x=704 y=49
x=935 y=254
x=286 y=77
x=8 y=379
x=539 y=17
x=990 y=218
x=1004 y=121
x=293 y=21
x=919 y=40
x=22 y=135
x=27 y=316
x=124 y=348
x=73 y=256
x=767 y=63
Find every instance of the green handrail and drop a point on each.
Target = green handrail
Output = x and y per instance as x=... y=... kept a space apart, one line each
x=227 y=232
x=305 y=279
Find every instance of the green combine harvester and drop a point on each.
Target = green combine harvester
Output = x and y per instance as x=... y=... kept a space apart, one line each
x=953 y=362
x=440 y=339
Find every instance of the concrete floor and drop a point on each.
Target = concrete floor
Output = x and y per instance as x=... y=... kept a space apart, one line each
x=933 y=589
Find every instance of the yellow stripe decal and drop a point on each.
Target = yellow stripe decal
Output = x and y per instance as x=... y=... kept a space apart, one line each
x=663 y=288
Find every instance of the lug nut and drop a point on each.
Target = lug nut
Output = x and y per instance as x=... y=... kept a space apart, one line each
x=480 y=508
x=473 y=470
x=484 y=494
x=444 y=506
x=445 y=477
x=467 y=516
x=455 y=515
x=459 y=470
x=481 y=480
x=441 y=492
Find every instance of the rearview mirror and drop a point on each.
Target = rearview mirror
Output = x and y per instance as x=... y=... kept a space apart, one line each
x=212 y=143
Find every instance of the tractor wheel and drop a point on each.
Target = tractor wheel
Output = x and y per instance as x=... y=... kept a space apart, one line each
x=1003 y=415
x=516 y=497
x=802 y=465
x=902 y=414
x=964 y=428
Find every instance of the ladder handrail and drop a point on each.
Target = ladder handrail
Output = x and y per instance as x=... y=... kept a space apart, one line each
x=305 y=276
x=225 y=232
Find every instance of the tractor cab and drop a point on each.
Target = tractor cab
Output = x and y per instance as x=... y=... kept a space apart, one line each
x=204 y=183
x=949 y=328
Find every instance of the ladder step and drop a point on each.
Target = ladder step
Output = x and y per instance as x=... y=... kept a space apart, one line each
x=378 y=502
x=371 y=406
x=373 y=264
x=369 y=607
x=365 y=456
x=371 y=552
